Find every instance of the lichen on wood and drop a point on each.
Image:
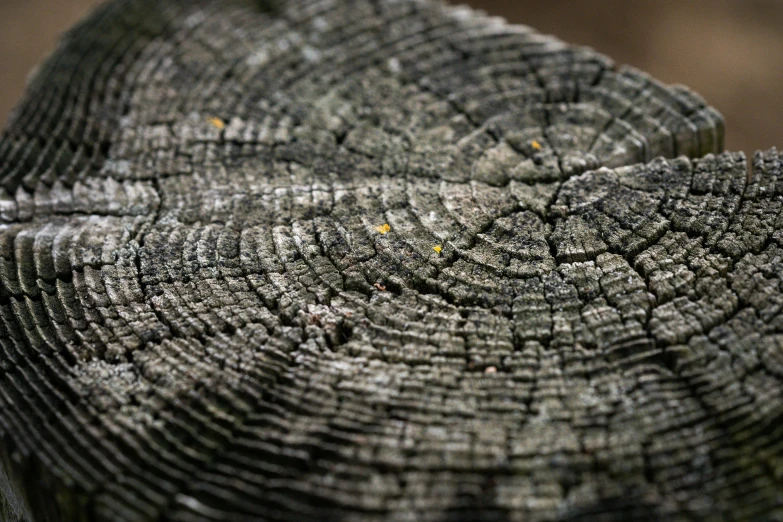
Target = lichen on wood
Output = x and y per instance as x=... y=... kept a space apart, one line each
x=379 y=260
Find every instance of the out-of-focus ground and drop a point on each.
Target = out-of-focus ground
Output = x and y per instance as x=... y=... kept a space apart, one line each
x=730 y=51
x=29 y=30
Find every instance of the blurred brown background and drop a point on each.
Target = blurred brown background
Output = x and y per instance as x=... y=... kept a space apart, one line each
x=730 y=51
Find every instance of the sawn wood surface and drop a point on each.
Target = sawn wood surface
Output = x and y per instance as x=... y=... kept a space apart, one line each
x=354 y=260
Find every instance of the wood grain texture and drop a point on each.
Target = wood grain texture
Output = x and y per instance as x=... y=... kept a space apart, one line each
x=379 y=260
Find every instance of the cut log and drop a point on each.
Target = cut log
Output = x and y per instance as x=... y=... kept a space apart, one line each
x=360 y=260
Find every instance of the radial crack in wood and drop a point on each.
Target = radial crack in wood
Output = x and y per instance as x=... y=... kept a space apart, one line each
x=379 y=260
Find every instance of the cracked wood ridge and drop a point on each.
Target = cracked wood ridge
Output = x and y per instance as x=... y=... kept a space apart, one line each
x=359 y=260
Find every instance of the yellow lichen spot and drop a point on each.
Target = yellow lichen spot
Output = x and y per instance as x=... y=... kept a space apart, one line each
x=437 y=249
x=217 y=122
x=535 y=145
x=382 y=229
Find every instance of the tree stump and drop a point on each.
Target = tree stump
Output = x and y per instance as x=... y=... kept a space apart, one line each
x=354 y=260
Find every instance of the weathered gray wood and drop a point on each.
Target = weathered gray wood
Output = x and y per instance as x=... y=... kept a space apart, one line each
x=379 y=260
